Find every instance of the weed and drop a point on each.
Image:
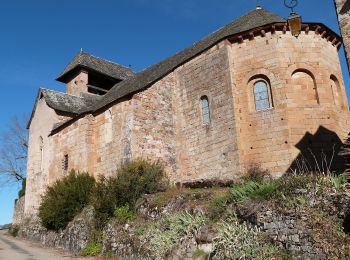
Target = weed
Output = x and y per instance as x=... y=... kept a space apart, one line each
x=199 y=254
x=124 y=214
x=92 y=248
x=14 y=230
x=253 y=189
x=167 y=233
x=256 y=173
x=238 y=241
x=338 y=181
x=108 y=254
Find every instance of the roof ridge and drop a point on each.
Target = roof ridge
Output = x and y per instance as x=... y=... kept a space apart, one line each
x=96 y=57
x=253 y=19
x=86 y=60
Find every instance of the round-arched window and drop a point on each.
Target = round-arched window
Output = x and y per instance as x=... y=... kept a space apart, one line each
x=205 y=110
x=261 y=95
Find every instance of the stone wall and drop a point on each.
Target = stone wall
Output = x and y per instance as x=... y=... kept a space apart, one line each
x=164 y=122
x=78 y=84
x=40 y=154
x=292 y=228
x=153 y=130
x=206 y=151
x=73 y=238
x=307 y=99
x=343 y=12
x=18 y=213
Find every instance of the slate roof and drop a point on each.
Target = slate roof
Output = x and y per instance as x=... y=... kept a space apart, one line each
x=88 y=61
x=64 y=102
x=67 y=103
x=142 y=80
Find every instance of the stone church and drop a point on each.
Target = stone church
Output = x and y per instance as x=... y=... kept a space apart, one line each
x=249 y=93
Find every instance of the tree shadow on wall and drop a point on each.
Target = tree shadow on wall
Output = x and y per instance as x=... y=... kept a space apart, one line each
x=319 y=153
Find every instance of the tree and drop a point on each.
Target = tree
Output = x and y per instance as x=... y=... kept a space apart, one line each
x=13 y=150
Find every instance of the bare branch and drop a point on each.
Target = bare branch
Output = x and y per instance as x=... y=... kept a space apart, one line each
x=13 y=151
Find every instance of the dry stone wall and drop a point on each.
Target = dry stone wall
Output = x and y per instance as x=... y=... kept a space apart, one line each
x=291 y=228
x=18 y=213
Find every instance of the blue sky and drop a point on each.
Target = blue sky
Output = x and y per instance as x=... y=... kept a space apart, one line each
x=38 y=38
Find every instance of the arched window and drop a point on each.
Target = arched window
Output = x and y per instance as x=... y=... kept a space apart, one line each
x=336 y=92
x=109 y=126
x=303 y=89
x=261 y=95
x=205 y=110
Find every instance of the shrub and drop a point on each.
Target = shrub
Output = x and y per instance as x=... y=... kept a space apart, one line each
x=217 y=207
x=92 y=248
x=133 y=179
x=65 y=199
x=256 y=173
x=22 y=192
x=104 y=200
x=14 y=230
x=139 y=177
x=123 y=214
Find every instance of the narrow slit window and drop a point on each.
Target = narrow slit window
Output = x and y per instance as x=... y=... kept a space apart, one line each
x=205 y=110
x=261 y=95
x=41 y=143
x=65 y=162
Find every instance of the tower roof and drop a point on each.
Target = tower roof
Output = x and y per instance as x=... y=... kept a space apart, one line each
x=90 y=62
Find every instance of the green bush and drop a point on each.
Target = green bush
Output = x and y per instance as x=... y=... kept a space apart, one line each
x=123 y=214
x=22 y=192
x=104 y=200
x=14 y=230
x=217 y=207
x=133 y=179
x=139 y=177
x=65 y=199
x=92 y=248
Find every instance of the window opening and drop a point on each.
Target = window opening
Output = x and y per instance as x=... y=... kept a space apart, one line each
x=205 y=110
x=261 y=95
